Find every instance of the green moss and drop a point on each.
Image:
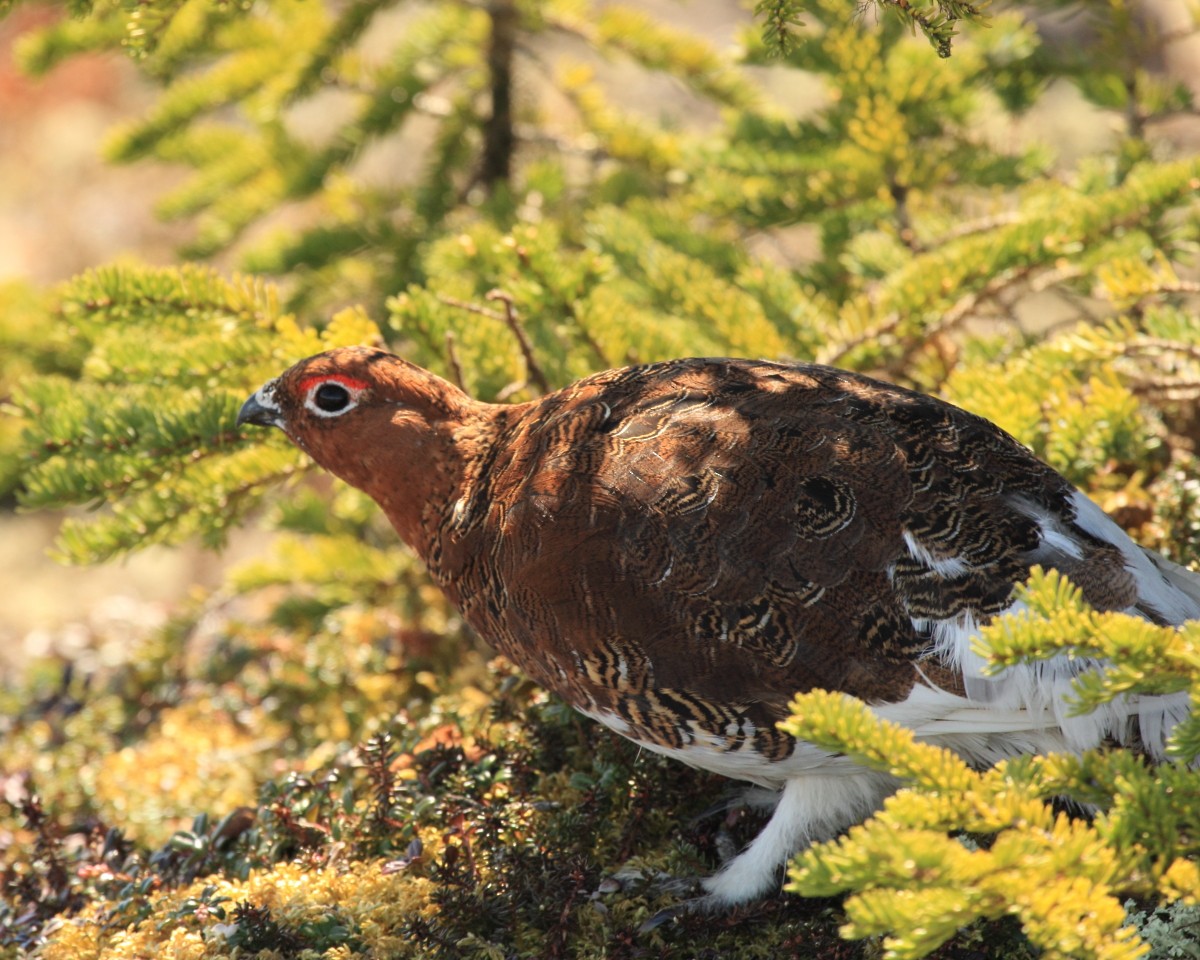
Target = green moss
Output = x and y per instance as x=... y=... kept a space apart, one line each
x=482 y=818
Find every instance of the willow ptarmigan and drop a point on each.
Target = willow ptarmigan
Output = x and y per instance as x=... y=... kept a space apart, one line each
x=677 y=549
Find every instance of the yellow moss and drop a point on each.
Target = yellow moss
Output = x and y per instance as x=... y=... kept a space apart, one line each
x=78 y=939
x=373 y=904
x=198 y=758
x=1181 y=881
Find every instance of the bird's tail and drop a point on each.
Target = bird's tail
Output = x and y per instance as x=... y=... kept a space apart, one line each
x=1180 y=578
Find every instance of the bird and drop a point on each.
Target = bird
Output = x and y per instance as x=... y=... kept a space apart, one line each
x=678 y=548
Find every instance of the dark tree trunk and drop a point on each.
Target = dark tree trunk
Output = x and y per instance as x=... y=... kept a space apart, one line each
x=498 y=138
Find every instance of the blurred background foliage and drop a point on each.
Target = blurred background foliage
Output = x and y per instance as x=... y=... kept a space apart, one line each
x=316 y=758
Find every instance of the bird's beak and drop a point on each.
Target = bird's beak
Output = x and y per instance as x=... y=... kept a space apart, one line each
x=261 y=408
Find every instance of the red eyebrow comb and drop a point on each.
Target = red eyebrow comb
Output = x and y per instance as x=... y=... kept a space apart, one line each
x=350 y=383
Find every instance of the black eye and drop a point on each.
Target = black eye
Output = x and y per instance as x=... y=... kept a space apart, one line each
x=331 y=397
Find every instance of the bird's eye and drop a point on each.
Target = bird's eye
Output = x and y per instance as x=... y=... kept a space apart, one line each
x=331 y=397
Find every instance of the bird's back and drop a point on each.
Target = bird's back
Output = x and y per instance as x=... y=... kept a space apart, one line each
x=681 y=547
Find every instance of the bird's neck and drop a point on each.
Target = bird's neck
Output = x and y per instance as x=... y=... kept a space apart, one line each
x=439 y=482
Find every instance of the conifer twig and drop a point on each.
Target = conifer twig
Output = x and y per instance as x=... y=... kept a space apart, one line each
x=452 y=362
x=510 y=389
x=469 y=307
x=969 y=304
x=988 y=293
x=879 y=331
x=971 y=227
x=511 y=320
x=568 y=307
x=532 y=367
x=908 y=234
x=1156 y=346
x=936 y=30
x=1179 y=286
x=1173 y=390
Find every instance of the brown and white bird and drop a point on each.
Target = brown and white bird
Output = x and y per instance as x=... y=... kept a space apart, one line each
x=679 y=548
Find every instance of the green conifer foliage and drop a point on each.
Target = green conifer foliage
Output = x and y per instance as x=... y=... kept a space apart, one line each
x=438 y=179
x=146 y=427
x=916 y=878
x=27 y=349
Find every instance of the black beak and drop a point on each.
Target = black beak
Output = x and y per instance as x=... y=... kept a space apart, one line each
x=254 y=411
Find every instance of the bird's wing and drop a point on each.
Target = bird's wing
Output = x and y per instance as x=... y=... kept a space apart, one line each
x=733 y=532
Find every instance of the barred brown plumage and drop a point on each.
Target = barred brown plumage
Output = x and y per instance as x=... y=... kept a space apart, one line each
x=677 y=549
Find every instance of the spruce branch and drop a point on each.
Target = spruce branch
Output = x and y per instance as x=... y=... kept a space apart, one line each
x=566 y=304
x=915 y=883
x=352 y=22
x=146 y=431
x=1047 y=236
x=693 y=61
x=935 y=18
x=780 y=18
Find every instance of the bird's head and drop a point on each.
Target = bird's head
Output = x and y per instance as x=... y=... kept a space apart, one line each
x=365 y=415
